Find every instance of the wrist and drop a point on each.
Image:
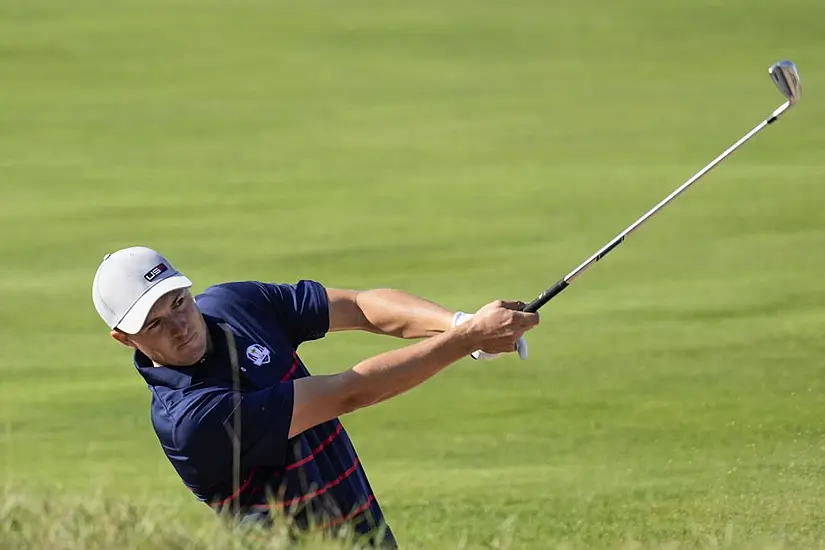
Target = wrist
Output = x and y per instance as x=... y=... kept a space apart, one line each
x=464 y=331
x=459 y=317
x=465 y=337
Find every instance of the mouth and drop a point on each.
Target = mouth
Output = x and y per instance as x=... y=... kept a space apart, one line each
x=188 y=340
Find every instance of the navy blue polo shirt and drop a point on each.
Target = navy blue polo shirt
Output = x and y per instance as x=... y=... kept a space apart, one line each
x=315 y=478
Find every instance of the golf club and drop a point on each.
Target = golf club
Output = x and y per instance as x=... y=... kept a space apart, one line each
x=786 y=77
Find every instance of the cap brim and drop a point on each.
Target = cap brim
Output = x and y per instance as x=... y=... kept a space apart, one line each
x=133 y=321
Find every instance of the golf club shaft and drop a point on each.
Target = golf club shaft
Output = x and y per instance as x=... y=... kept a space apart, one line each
x=563 y=283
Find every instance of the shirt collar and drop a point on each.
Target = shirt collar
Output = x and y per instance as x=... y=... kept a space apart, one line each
x=178 y=377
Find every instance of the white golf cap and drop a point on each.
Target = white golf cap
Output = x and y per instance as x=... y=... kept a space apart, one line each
x=129 y=282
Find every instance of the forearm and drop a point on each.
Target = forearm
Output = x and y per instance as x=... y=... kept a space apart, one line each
x=400 y=314
x=320 y=398
x=495 y=327
x=391 y=373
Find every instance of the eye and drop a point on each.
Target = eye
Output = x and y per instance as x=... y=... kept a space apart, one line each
x=178 y=303
x=153 y=325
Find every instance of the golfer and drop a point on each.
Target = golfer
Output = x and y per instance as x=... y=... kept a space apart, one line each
x=247 y=428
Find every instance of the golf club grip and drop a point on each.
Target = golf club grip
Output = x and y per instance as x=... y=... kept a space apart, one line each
x=546 y=296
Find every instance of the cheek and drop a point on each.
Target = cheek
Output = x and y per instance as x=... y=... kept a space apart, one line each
x=161 y=341
x=194 y=319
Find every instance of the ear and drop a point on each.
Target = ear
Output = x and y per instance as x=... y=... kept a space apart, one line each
x=123 y=338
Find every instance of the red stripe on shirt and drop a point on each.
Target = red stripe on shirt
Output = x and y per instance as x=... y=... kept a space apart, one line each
x=239 y=491
x=320 y=448
x=320 y=491
x=359 y=510
x=291 y=370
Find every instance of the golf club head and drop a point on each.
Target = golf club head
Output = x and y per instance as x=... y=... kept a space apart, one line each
x=786 y=77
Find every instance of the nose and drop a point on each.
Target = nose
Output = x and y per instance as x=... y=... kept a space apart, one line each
x=178 y=327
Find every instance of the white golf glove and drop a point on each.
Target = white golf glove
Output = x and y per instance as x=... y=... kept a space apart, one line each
x=521 y=345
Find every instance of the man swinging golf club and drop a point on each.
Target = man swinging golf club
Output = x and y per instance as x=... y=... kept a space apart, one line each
x=244 y=424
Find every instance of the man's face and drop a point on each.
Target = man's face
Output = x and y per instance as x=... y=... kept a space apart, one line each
x=174 y=332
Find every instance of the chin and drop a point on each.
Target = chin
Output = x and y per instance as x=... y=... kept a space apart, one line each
x=191 y=353
x=198 y=350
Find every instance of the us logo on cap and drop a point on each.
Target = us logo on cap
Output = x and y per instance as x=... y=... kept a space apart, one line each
x=258 y=354
x=154 y=272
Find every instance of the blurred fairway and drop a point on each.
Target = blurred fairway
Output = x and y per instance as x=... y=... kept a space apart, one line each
x=462 y=151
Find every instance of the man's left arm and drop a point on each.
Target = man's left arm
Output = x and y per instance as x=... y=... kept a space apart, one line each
x=386 y=311
x=397 y=313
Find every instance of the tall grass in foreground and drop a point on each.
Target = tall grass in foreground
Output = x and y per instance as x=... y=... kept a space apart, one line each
x=100 y=523
x=104 y=523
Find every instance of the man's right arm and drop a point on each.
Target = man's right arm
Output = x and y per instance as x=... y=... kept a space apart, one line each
x=496 y=327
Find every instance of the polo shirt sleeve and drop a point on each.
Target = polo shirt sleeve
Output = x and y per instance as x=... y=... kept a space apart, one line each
x=302 y=309
x=206 y=433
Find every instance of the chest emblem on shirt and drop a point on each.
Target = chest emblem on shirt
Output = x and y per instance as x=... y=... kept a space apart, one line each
x=258 y=354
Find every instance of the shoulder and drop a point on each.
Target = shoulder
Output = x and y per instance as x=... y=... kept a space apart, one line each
x=235 y=291
x=259 y=291
x=231 y=299
x=299 y=310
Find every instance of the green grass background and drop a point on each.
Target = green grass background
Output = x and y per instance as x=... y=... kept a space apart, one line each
x=464 y=151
